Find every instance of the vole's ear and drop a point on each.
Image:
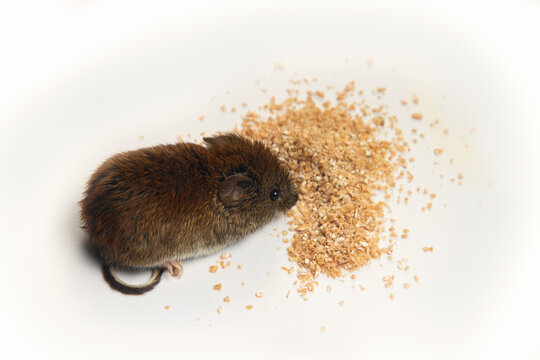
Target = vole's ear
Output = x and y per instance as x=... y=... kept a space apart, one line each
x=235 y=189
x=230 y=138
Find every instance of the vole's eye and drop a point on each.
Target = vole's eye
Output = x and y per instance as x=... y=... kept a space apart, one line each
x=274 y=194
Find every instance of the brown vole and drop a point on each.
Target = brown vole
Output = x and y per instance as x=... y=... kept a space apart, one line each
x=153 y=207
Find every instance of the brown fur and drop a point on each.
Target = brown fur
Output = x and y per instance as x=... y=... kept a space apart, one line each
x=146 y=207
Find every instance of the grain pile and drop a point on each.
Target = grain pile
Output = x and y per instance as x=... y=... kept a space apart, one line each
x=346 y=156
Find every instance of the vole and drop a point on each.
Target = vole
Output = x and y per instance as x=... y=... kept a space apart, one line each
x=154 y=207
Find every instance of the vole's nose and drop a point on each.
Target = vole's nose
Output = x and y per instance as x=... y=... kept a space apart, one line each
x=294 y=200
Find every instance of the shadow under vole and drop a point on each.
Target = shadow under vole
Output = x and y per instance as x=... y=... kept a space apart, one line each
x=153 y=207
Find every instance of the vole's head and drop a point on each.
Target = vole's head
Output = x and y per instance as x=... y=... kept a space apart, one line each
x=253 y=180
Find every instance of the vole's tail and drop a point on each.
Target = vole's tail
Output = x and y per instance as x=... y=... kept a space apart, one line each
x=114 y=281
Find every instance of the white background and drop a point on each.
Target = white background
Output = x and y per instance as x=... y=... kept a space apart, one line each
x=81 y=80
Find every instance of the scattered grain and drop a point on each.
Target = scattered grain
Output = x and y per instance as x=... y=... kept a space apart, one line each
x=337 y=224
x=402 y=264
x=388 y=280
x=278 y=66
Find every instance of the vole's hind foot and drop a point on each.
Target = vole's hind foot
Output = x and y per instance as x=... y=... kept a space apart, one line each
x=174 y=268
